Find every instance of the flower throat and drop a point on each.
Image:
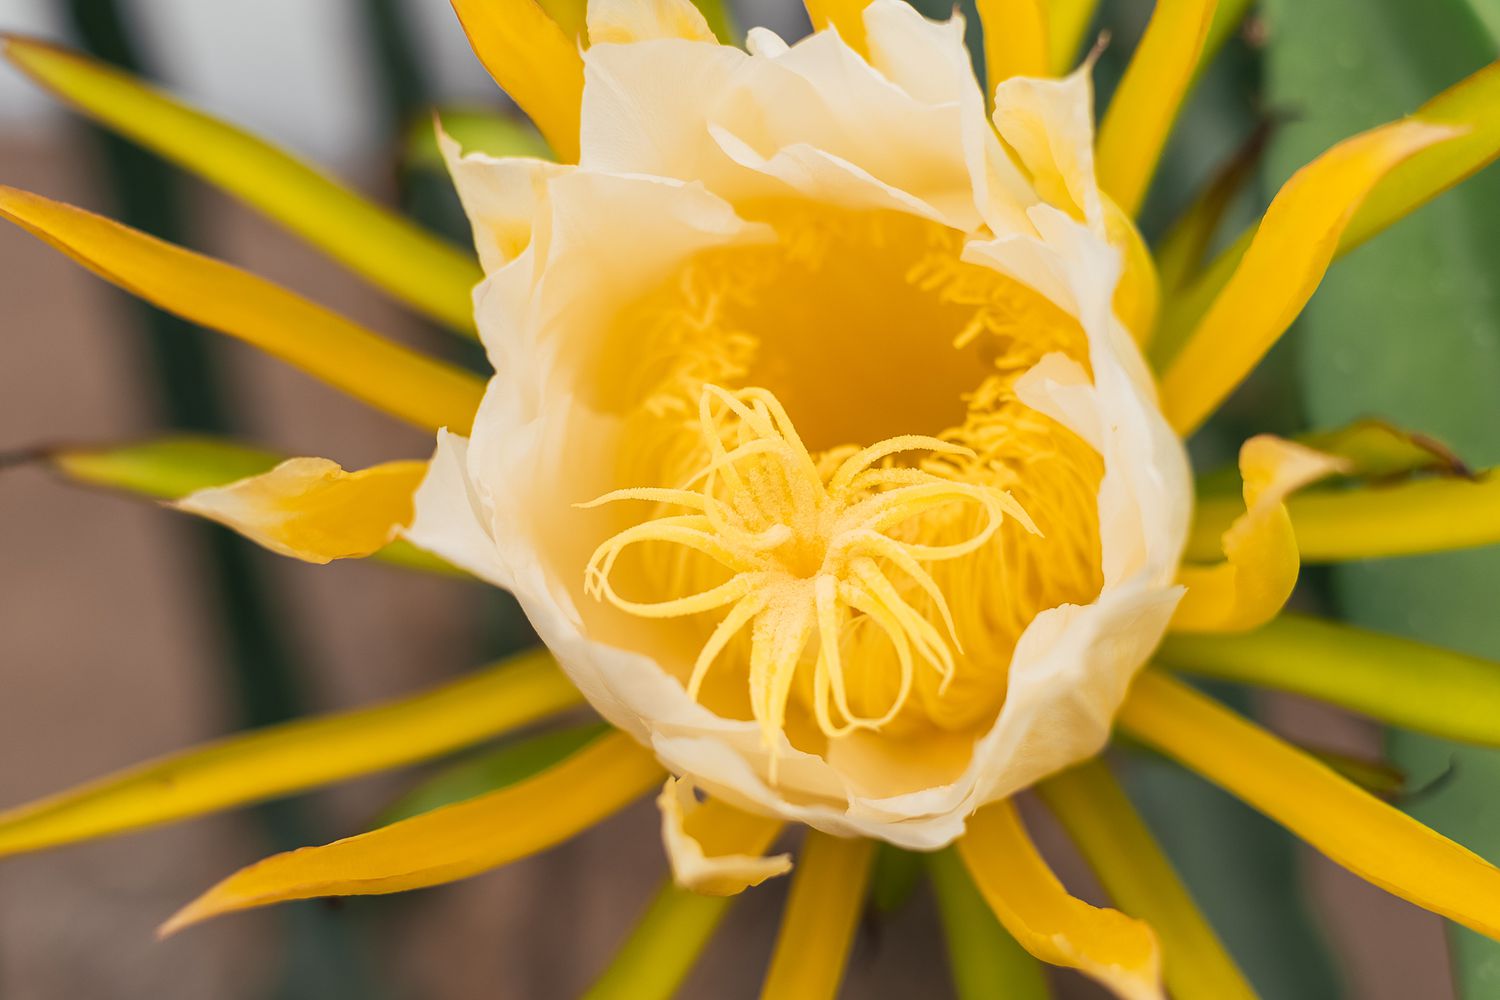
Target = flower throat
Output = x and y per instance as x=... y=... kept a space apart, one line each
x=847 y=502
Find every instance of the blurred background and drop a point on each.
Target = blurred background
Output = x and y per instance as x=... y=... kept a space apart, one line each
x=127 y=631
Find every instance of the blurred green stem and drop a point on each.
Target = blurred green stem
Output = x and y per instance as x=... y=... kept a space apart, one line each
x=984 y=959
x=663 y=947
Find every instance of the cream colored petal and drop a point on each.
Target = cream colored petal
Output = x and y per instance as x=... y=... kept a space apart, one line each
x=624 y=21
x=822 y=94
x=714 y=848
x=914 y=122
x=1059 y=387
x=1050 y=125
x=764 y=43
x=930 y=61
x=925 y=58
x=449 y=520
x=646 y=108
x=818 y=176
x=500 y=196
x=657 y=186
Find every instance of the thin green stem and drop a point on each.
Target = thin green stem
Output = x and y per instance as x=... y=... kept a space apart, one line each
x=663 y=947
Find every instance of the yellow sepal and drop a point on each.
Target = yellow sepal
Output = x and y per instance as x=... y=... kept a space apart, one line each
x=1260 y=563
x=571 y=16
x=847 y=17
x=662 y=947
x=1138 y=294
x=1282 y=267
x=1397 y=681
x=1471 y=108
x=534 y=61
x=172 y=467
x=1067 y=20
x=1015 y=40
x=1053 y=925
x=1374 y=840
x=294 y=756
x=1140 y=117
x=416 y=267
x=447 y=844
x=419 y=389
x=1133 y=869
x=822 y=911
x=310 y=509
x=1378 y=520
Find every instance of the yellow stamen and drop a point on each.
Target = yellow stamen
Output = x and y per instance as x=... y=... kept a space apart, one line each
x=809 y=551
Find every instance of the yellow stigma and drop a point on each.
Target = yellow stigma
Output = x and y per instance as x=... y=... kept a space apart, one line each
x=810 y=550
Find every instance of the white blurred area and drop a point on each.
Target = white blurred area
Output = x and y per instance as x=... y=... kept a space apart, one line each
x=296 y=71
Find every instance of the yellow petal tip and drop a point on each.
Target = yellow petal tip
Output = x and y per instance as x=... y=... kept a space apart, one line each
x=195 y=912
x=28 y=53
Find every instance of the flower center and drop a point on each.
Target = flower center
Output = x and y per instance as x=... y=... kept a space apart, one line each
x=851 y=510
x=808 y=549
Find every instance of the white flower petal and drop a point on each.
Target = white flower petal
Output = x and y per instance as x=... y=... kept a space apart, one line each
x=1050 y=125
x=692 y=866
x=646 y=108
x=450 y=521
x=1059 y=387
x=500 y=196
x=677 y=136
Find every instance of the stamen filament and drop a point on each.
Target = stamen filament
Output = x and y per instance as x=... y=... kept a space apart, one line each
x=810 y=553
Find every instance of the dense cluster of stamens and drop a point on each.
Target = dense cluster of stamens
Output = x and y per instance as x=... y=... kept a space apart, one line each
x=813 y=551
x=797 y=577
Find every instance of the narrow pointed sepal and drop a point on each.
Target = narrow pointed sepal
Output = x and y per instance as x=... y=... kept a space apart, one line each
x=1398 y=681
x=1371 y=838
x=280 y=760
x=419 y=389
x=822 y=913
x=1282 y=266
x=534 y=61
x=392 y=253
x=447 y=844
x=1139 y=878
x=1056 y=927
